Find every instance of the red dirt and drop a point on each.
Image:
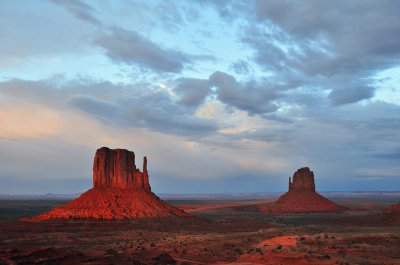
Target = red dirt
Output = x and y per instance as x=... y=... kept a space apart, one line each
x=282 y=250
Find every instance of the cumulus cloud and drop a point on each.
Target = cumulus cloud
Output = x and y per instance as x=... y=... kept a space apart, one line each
x=192 y=91
x=251 y=96
x=346 y=41
x=130 y=47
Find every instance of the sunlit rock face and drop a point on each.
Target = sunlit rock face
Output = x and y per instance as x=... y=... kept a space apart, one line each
x=302 y=196
x=116 y=168
x=120 y=191
x=303 y=180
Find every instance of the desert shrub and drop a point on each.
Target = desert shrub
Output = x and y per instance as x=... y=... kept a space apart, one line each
x=279 y=247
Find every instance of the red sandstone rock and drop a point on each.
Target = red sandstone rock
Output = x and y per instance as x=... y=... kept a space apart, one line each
x=120 y=191
x=301 y=196
x=303 y=180
x=116 y=168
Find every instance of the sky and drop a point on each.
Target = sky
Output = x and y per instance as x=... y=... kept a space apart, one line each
x=221 y=96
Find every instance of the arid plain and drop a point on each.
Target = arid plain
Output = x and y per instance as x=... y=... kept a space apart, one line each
x=218 y=232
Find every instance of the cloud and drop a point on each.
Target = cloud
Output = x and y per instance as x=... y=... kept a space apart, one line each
x=32 y=122
x=241 y=67
x=79 y=9
x=273 y=87
x=192 y=91
x=380 y=172
x=158 y=111
x=350 y=95
x=137 y=106
x=252 y=97
x=130 y=47
x=393 y=155
x=335 y=43
x=97 y=108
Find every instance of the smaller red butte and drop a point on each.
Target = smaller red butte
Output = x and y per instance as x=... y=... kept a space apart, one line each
x=120 y=191
x=301 y=196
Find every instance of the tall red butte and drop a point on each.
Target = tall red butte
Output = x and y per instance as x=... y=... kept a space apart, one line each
x=120 y=191
x=301 y=196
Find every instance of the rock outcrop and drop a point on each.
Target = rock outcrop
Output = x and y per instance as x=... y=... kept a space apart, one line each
x=301 y=196
x=120 y=191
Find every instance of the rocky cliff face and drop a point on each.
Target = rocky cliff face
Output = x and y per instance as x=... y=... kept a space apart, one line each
x=116 y=168
x=303 y=180
x=120 y=191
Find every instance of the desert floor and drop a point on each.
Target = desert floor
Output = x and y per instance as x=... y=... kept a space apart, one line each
x=217 y=233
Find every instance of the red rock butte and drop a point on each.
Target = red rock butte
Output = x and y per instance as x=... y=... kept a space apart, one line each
x=301 y=196
x=120 y=191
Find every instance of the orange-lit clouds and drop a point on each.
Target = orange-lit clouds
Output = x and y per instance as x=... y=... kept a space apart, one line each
x=29 y=121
